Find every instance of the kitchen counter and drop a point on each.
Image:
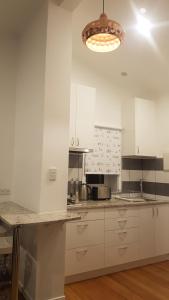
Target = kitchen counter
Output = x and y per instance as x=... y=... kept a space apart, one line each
x=113 y=203
x=13 y=214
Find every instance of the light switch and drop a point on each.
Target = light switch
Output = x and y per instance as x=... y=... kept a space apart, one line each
x=52 y=174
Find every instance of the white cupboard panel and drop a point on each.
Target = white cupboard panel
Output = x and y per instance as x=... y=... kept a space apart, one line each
x=81 y=234
x=85 y=116
x=120 y=255
x=117 y=238
x=121 y=224
x=73 y=112
x=90 y=214
x=123 y=212
x=84 y=259
x=147 y=232
x=161 y=230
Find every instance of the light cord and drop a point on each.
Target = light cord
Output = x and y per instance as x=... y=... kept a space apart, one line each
x=103 y=6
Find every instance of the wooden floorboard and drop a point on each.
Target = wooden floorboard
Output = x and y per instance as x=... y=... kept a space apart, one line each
x=145 y=283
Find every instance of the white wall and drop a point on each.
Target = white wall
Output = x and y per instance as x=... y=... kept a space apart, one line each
x=29 y=112
x=108 y=97
x=8 y=63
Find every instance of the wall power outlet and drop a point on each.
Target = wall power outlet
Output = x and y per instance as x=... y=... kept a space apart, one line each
x=5 y=192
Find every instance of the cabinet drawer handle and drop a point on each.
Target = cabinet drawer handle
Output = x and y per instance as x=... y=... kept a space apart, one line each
x=122 y=221
x=83 y=214
x=78 y=142
x=122 y=232
x=72 y=141
x=83 y=251
x=157 y=212
x=82 y=225
x=123 y=248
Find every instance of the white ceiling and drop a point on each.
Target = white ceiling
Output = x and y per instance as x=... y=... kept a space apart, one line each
x=147 y=65
x=14 y=15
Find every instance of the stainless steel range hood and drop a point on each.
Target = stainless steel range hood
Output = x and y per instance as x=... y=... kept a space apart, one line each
x=139 y=156
x=80 y=150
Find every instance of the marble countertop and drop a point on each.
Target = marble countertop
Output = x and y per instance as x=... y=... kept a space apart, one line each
x=13 y=214
x=113 y=203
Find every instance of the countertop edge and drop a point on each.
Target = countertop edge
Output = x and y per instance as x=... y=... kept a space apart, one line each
x=114 y=204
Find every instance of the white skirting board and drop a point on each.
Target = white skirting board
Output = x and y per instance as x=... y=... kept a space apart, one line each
x=115 y=269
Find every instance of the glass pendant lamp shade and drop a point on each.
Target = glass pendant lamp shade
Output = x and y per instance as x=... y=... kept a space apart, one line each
x=103 y=35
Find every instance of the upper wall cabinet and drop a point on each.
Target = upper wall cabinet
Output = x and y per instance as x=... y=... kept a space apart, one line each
x=139 y=123
x=82 y=109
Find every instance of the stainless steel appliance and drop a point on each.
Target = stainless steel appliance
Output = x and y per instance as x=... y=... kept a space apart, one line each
x=101 y=192
x=84 y=192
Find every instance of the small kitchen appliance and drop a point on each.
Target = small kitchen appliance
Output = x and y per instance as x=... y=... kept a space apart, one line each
x=101 y=192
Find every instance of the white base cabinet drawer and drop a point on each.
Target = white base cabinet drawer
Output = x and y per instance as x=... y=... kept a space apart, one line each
x=120 y=255
x=121 y=224
x=82 y=260
x=122 y=237
x=123 y=212
x=90 y=215
x=87 y=233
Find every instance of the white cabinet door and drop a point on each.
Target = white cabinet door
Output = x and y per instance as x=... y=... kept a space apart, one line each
x=80 y=234
x=161 y=229
x=140 y=128
x=72 y=120
x=147 y=232
x=145 y=124
x=85 y=259
x=85 y=116
x=82 y=109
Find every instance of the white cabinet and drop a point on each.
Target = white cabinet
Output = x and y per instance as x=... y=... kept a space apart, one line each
x=82 y=109
x=85 y=242
x=161 y=229
x=121 y=236
x=80 y=234
x=147 y=232
x=139 y=123
x=154 y=237
x=81 y=260
x=114 y=236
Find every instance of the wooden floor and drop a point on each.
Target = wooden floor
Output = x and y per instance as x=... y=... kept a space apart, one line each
x=145 y=283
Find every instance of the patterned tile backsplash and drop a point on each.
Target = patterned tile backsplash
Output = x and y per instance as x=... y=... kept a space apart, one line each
x=106 y=155
x=150 y=171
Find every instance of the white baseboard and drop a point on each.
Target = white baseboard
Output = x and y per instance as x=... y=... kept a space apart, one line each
x=111 y=270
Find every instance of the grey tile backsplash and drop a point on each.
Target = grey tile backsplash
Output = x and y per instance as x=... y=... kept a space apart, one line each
x=75 y=160
x=155 y=180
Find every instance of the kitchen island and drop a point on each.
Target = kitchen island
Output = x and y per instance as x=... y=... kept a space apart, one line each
x=14 y=216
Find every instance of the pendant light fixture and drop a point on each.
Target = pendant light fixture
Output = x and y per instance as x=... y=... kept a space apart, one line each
x=103 y=35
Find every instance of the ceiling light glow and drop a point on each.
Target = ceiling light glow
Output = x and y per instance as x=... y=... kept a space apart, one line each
x=143 y=26
x=143 y=10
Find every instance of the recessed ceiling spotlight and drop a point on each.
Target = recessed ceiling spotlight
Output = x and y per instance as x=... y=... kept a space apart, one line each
x=143 y=10
x=124 y=74
x=143 y=26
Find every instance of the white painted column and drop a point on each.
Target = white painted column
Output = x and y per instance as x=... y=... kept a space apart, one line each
x=42 y=128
